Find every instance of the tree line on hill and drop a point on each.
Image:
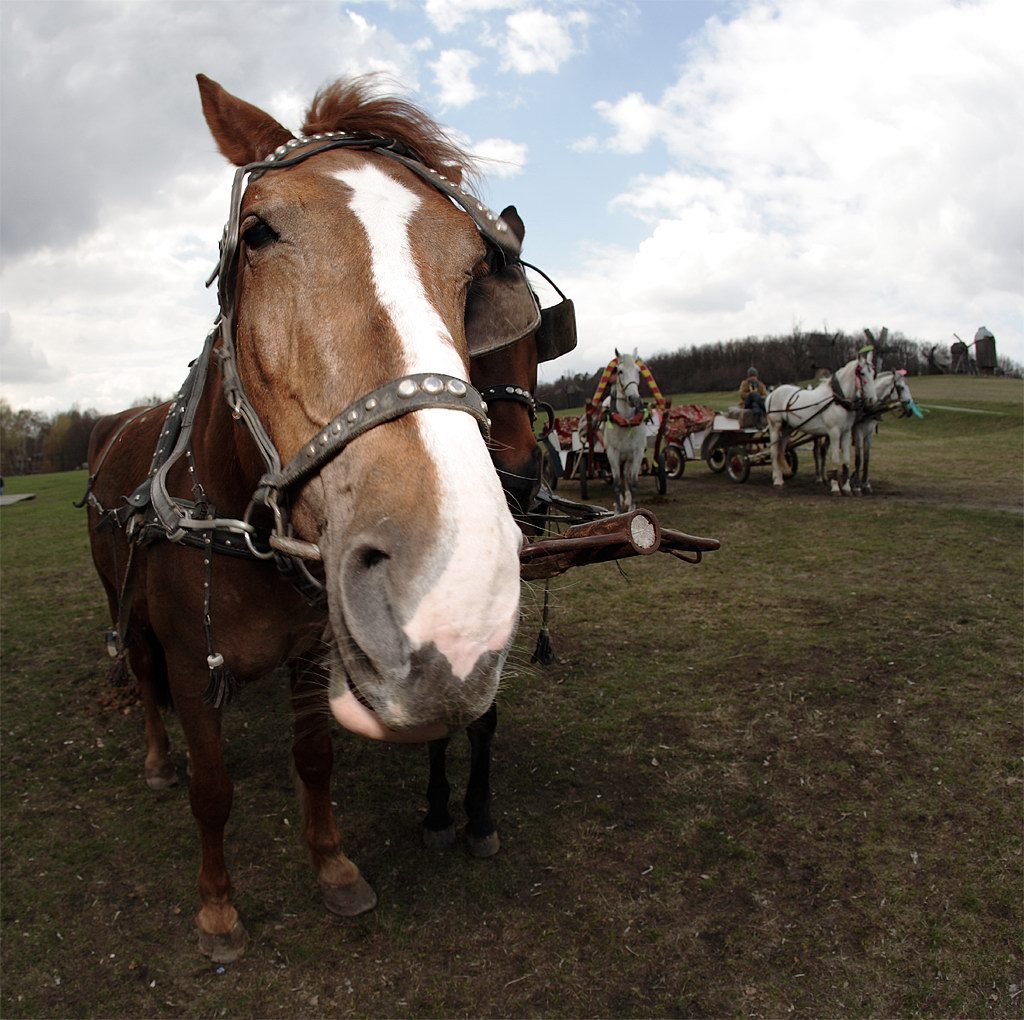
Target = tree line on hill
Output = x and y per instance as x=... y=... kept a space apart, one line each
x=722 y=366
x=31 y=442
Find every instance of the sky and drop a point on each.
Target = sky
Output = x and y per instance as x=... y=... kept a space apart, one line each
x=688 y=171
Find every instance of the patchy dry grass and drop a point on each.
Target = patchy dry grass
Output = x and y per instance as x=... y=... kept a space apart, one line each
x=785 y=781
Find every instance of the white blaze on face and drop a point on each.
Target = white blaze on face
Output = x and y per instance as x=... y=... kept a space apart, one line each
x=472 y=607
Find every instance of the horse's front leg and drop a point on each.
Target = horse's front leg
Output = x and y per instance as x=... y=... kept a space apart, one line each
x=222 y=935
x=865 y=483
x=481 y=833
x=820 y=455
x=344 y=890
x=438 y=826
x=632 y=473
x=835 y=461
x=844 y=463
x=615 y=466
x=777 y=433
x=623 y=490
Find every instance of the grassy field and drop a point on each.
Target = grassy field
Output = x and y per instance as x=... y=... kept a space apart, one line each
x=784 y=782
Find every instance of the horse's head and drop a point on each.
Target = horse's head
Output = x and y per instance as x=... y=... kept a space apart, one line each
x=350 y=279
x=901 y=388
x=507 y=378
x=627 y=380
x=864 y=376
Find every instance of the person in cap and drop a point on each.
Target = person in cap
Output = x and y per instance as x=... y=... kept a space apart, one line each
x=753 y=393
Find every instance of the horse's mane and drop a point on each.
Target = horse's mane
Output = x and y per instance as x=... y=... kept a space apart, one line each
x=357 y=104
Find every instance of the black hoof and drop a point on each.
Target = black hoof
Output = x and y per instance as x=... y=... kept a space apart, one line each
x=439 y=839
x=483 y=846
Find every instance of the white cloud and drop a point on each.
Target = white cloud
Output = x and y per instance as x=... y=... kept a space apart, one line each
x=853 y=162
x=452 y=72
x=637 y=122
x=448 y=15
x=288 y=108
x=537 y=40
x=500 y=157
x=120 y=312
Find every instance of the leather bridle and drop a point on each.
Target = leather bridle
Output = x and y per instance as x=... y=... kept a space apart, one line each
x=151 y=510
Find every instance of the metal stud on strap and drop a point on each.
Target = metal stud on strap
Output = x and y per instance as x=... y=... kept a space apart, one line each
x=386 y=403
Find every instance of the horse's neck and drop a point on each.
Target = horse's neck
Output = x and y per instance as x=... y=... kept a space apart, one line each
x=847 y=379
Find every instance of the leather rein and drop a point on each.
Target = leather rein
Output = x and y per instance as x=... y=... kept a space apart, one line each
x=152 y=512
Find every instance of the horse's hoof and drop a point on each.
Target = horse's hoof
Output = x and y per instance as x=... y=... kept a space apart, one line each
x=224 y=948
x=483 y=846
x=161 y=778
x=439 y=839
x=349 y=900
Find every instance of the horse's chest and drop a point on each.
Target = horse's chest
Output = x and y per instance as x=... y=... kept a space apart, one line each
x=258 y=620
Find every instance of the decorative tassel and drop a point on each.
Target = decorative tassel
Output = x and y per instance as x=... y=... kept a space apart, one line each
x=119 y=675
x=223 y=683
x=543 y=653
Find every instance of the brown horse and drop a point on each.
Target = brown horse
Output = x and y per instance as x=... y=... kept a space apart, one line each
x=380 y=561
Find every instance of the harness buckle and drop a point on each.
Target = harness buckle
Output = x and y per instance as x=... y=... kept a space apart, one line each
x=270 y=502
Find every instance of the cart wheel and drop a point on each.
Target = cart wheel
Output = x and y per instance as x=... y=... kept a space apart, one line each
x=792 y=461
x=662 y=473
x=737 y=465
x=717 y=460
x=675 y=461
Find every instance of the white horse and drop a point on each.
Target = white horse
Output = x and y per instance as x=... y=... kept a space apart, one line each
x=829 y=409
x=892 y=394
x=623 y=431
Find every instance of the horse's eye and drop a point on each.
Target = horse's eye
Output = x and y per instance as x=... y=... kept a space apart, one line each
x=258 y=235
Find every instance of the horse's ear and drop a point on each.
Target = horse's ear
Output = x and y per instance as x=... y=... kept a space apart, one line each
x=617 y=353
x=243 y=132
x=635 y=354
x=515 y=223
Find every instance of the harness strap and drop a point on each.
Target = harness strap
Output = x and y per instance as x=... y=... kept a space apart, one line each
x=237 y=400
x=386 y=403
x=838 y=396
x=511 y=393
x=173 y=442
